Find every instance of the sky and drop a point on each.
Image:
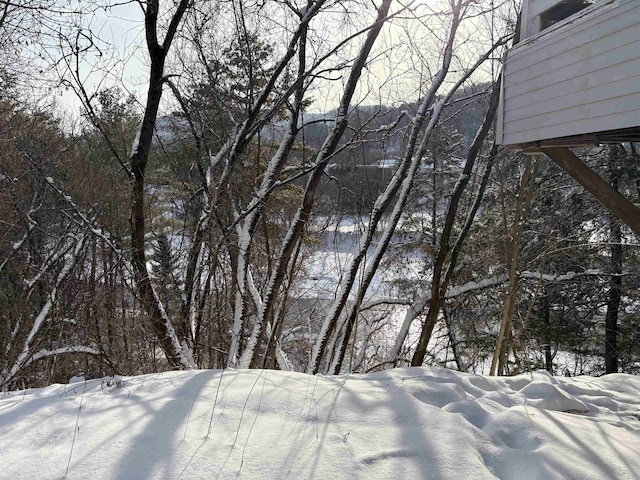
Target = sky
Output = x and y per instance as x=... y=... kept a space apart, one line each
x=119 y=60
x=406 y=423
x=399 y=68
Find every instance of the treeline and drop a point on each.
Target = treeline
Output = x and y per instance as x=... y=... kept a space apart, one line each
x=137 y=242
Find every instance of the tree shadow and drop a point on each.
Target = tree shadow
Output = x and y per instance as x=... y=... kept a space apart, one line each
x=153 y=449
x=583 y=446
x=319 y=440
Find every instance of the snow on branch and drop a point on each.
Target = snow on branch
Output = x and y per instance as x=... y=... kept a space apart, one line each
x=417 y=307
x=95 y=230
x=44 y=353
x=563 y=277
x=26 y=357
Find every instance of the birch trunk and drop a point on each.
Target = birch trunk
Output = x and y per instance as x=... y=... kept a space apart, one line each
x=402 y=180
x=301 y=217
x=69 y=257
x=412 y=157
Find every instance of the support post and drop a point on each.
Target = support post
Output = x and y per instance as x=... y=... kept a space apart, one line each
x=599 y=188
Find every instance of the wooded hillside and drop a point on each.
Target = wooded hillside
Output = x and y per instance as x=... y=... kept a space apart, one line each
x=307 y=186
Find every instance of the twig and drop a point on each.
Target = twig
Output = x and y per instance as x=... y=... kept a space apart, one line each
x=264 y=380
x=75 y=430
x=245 y=406
x=215 y=400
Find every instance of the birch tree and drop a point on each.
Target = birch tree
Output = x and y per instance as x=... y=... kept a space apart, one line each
x=447 y=250
x=251 y=89
x=423 y=125
x=280 y=90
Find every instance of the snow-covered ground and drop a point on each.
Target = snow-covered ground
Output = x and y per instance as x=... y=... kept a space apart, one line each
x=410 y=423
x=328 y=263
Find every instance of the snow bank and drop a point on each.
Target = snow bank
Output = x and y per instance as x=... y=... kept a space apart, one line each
x=421 y=423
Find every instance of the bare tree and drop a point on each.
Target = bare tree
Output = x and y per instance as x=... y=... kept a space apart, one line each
x=615 y=282
x=227 y=103
x=423 y=125
x=39 y=250
x=513 y=245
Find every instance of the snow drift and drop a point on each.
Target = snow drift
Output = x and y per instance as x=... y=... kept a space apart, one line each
x=409 y=423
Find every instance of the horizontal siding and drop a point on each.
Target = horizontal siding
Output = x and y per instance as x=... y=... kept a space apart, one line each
x=577 y=61
x=581 y=78
x=612 y=77
x=584 y=30
x=591 y=125
x=616 y=88
x=564 y=118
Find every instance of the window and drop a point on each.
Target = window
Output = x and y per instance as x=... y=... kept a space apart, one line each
x=562 y=10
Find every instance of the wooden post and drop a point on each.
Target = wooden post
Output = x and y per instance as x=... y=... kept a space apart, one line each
x=608 y=196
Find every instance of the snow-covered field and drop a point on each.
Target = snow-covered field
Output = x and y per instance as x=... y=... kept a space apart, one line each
x=409 y=423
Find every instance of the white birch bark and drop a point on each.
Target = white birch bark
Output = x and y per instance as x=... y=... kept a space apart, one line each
x=23 y=358
x=414 y=158
x=246 y=233
x=402 y=180
x=328 y=147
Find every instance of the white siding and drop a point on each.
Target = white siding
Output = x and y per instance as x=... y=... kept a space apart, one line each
x=578 y=77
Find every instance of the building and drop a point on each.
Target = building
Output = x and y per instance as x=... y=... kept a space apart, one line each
x=573 y=76
x=573 y=80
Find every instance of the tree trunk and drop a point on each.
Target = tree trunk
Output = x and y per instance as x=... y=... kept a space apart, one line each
x=613 y=304
x=513 y=246
x=453 y=339
x=448 y=251
x=160 y=321
x=401 y=184
x=546 y=318
x=615 y=281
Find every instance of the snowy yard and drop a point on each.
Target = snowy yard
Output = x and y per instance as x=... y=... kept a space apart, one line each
x=409 y=423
